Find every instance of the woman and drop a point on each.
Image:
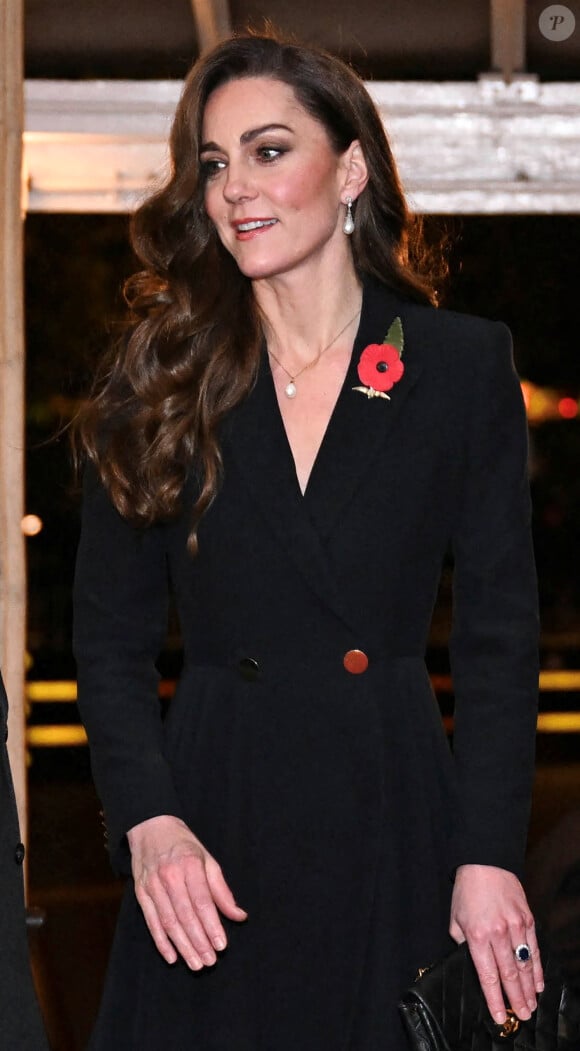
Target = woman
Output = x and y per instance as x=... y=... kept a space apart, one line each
x=258 y=449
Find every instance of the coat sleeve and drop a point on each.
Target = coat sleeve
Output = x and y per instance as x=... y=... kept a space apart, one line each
x=494 y=641
x=120 y=623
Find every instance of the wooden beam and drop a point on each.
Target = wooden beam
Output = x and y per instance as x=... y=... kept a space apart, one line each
x=508 y=37
x=212 y=22
x=12 y=555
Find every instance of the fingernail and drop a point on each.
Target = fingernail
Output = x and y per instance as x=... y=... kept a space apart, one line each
x=532 y=1004
x=208 y=958
x=220 y=944
x=195 y=965
x=524 y=1014
x=500 y=1017
x=539 y=987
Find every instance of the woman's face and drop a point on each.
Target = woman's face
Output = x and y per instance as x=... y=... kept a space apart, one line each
x=274 y=187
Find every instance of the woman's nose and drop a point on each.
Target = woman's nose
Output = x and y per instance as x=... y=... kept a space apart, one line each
x=238 y=185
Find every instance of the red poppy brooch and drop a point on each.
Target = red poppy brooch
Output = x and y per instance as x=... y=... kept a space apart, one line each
x=380 y=365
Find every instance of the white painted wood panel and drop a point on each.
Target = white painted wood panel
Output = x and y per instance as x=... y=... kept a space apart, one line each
x=477 y=147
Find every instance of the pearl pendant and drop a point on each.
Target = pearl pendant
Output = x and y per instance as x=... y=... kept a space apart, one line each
x=290 y=390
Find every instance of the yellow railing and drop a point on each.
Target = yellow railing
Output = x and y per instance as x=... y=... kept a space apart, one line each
x=66 y=735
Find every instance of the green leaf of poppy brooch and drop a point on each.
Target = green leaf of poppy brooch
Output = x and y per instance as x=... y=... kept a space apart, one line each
x=380 y=365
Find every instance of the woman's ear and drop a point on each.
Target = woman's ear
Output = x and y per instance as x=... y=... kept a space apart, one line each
x=356 y=173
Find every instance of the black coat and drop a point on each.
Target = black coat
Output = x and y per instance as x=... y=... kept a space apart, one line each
x=20 y=1024
x=332 y=800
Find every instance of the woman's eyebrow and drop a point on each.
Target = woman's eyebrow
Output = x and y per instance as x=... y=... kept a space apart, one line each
x=248 y=136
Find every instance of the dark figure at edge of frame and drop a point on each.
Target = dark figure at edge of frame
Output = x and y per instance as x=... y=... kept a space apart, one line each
x=21 y=1026
x=255 y=447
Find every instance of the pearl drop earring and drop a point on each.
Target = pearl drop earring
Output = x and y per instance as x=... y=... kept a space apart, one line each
x=348 y=226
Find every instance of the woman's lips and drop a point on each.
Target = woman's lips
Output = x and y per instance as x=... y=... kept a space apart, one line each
x=250 y=228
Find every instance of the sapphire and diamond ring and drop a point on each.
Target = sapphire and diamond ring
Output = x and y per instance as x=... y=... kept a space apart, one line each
x=522 y=953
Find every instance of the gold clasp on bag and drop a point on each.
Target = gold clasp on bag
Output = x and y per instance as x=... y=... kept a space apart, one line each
x=510 y=1026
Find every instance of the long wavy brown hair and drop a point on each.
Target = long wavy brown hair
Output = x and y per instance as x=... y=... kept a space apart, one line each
x=192 y=339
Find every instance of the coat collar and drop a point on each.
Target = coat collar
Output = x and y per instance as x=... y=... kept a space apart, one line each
x=355 y=435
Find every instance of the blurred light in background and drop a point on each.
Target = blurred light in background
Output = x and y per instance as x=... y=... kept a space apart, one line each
x=31 y=525
x=544 y=403
x=568 y=408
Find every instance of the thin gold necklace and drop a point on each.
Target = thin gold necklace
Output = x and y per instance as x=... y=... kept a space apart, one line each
x=290 y=388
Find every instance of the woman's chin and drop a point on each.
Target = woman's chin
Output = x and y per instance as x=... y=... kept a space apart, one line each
x=257 y=271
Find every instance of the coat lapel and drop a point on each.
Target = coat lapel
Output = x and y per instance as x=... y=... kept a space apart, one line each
x=256 y=437
x=257 y=440
x=359 y=426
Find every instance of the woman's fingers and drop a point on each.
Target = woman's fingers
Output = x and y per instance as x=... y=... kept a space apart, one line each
x=165 y=929
x=203 y=904
x=531 y=970
x=180 y=888
x=486 y=966
x=155 y=926
x=490 y=910
x=208 y=894
x=501 y=973
x=536 y=968
x=180 y=912
x=186 y=886
x=221 y=892
x=516 y=978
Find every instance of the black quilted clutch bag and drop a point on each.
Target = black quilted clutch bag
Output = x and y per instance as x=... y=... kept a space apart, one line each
x=444 y=1010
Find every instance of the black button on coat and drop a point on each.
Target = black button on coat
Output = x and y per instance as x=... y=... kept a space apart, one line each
x=20 y=1023
x=332 y=800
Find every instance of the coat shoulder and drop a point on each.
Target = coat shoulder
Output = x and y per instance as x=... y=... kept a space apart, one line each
x=440 y=336
x=458 y=330
x=461 y=344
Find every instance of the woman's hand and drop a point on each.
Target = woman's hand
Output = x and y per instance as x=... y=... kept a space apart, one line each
x=178 y=885
x=490 y=911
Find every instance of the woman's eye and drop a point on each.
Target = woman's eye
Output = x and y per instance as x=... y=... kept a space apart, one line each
x=212 y=167
x=270 y=153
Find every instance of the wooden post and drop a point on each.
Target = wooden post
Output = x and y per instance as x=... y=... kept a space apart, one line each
x=508 y=37
x=12 y=554
x=212 y=22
